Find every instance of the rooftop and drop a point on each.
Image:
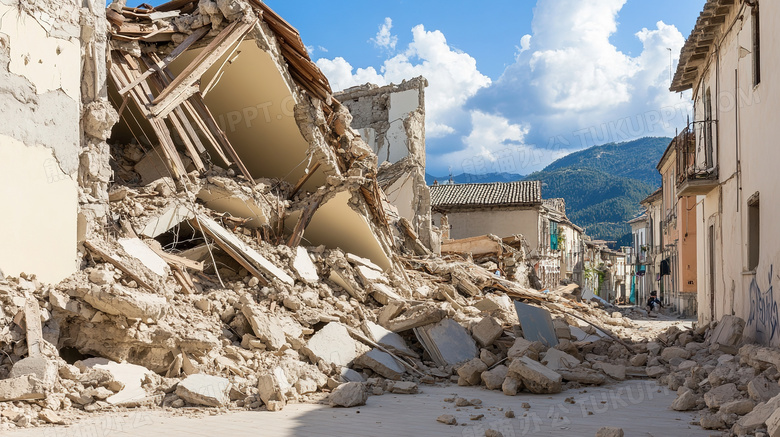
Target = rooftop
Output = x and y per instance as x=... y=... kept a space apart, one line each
x=518 y=193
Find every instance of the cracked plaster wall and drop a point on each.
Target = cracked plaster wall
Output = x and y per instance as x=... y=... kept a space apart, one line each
x=41 y=136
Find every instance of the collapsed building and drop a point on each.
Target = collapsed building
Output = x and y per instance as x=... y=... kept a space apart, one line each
x=198 y=223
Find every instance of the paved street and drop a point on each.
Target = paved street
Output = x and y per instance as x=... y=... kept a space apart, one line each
x=641 y=408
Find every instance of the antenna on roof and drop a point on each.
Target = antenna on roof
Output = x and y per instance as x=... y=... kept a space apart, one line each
x=452 y=182
x=670 y=66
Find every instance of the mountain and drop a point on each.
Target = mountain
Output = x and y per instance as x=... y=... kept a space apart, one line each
x=468 y=178
x=603 y=185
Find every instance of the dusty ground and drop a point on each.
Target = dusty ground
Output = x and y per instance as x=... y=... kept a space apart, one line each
x=640 y=407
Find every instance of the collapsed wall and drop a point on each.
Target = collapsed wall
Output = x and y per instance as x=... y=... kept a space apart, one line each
x=391 y=120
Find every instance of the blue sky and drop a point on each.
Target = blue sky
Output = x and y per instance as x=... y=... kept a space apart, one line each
x=513 y=85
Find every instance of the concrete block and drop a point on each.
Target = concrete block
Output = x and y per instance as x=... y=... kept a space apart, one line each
x=721 y=395
x=609 y=431
x=494 y=378
x=685 y=402
x=207 y=390
x=272 y=388
x=333 y=345
x=470 y=373
x=536 y=378
x=304 y=266
x=381 y=363
x=266 y=327
x=556 y=359
x=486 y=331
x=22 y=388
x=614 y=371
x=351 y=394
x=40 y=367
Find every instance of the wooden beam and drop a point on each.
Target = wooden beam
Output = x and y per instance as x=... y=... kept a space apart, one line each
x=303 y=222
x=181 y=48
x=186 y=83
x=303 y=180
x=117 y=263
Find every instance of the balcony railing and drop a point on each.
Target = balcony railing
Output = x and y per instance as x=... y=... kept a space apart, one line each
x=697 y=172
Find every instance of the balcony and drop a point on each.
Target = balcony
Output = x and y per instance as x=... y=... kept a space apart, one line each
x=696 y=172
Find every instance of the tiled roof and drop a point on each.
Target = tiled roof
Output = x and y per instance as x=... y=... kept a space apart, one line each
x=494 y=194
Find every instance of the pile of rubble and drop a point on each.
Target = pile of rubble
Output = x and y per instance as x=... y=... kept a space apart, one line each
x=245 y=261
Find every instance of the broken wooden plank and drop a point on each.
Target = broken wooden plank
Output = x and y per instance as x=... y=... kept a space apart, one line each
x=303 y=222
x=117 y=263
x=185 y=84
x=303 y=180
x=239 y=250
x=181 y=48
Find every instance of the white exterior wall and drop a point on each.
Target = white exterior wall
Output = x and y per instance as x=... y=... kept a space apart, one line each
x=747 y=116
x=502 y=223
x=40 y=95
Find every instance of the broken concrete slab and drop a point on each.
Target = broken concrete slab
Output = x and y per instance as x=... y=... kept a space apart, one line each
x=582 y=375
x=223 y=199
x=447 y=342
x=609 y=431
x=523 y=347
x=415 y=317
x=123 y=301
x=614 y=371
x=22 y=388
x=272 y=388
x=345 y=280
x=266 y=327
x=721 y=395
x=536 y=323
x=773 y=424
x=762 y=389
x=685 y=402
x=170 y=217
x=405 y=388
x=739 y=407
x=381 y=363
x=350 y=394
x=536 y=378
x=486 y=331
x=131 y=376
x=39 y=366
x=728 y=332
x=384 y=294
x=207 y=390
x=579 y=335
x=388 y=339
x=334 y=345
x=304 y=266
x=140 y=251
x=757 y=418
x=555 y=359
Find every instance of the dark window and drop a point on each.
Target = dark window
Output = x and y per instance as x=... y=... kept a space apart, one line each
x=754 y=232
x=756 y=46
x=708 y=129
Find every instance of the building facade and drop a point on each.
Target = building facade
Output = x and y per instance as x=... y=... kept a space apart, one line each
x=730 y=63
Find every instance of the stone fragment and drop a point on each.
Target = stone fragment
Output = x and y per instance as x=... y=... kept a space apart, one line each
x=447 y=419
x=721 y=395
x=762 y=389
x=493 y=433
x=773 y=424
x=207 y=390
x=523 y=347
x=272 y=387
x=712 y=421
x=536 y=378
x=382 y=363
x=417 y=316
x=265 y=326
x=757 y=418
x=39 y=366
x=729 y=331
x=50 y=416
x=350 y=394
x=488 y=357
x=738 y=407
x=556 y=359
x=674 y=352
x=685 y=401
x=119 y=300
x=304 y=266
x=486 y=331
x=129 y=376
x=494 y=378
x=334 y=345
x=609 y=431
x=656 y=371
x=583 y=375
x=22 y=388
x=405 y=388
x=614 y=371
x=470 y=373
x=511 y=385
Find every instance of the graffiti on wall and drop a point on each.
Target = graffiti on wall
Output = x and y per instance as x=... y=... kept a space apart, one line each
x=763 y=311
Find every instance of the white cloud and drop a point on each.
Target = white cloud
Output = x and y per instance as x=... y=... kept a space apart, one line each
x=452 y=75
x=384 y=38
x=525 y=45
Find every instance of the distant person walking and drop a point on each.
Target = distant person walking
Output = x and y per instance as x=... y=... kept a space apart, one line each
x=653 y=304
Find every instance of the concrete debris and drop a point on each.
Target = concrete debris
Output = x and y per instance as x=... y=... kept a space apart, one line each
x=207 y=390
x=350 y=394
x=535 y=377
x=447 y=342
x=225 y=262
x=447 y=419
x=609 y=431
